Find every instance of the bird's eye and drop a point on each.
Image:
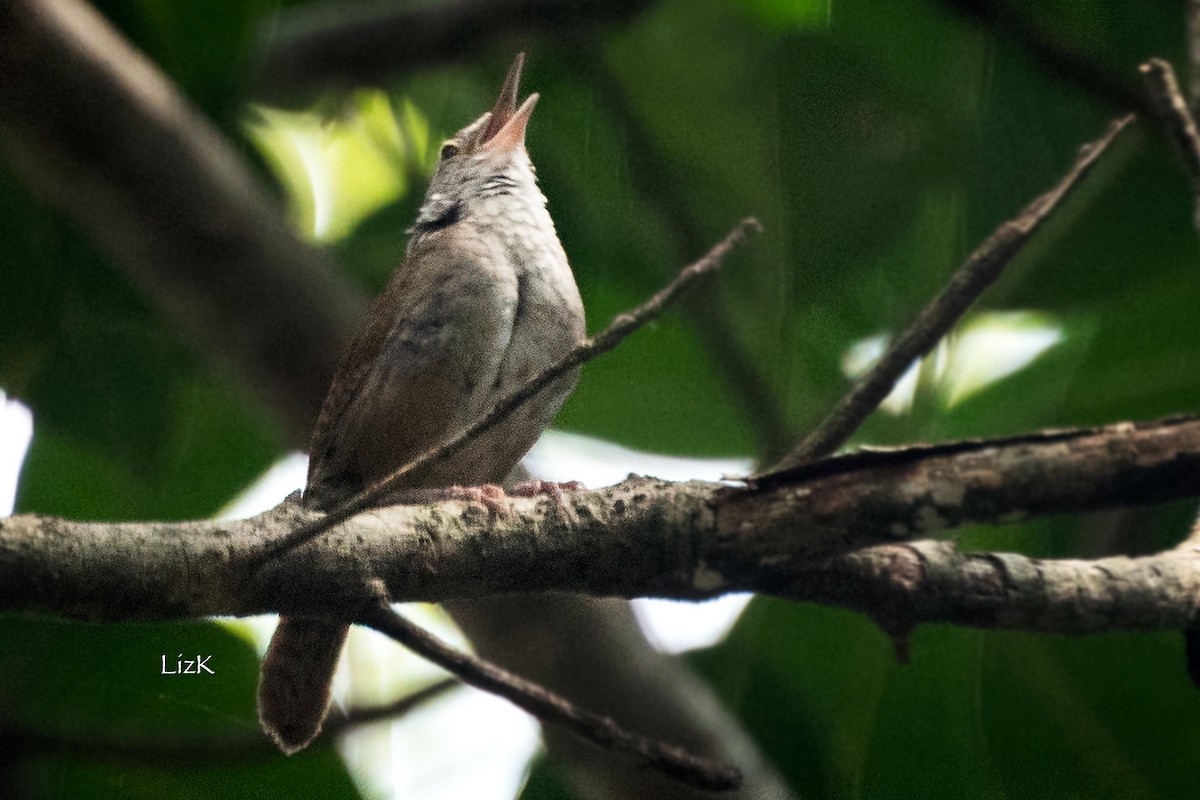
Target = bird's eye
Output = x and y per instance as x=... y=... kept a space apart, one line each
x=449 y=150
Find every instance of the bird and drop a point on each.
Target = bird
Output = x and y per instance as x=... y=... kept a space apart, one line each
x=483 y=300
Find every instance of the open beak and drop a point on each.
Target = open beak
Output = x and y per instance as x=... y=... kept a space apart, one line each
x=505 y=131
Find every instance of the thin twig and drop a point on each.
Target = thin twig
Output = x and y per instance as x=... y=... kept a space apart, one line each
x=364 y=715
x=1177 y=121
x=549 y=707
x=622 y=326
x=981 y=269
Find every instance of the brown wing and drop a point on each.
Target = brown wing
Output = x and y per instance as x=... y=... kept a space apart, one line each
x=355 y=364
x=422 y=365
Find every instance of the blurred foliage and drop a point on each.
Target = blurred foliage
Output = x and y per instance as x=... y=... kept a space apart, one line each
x=879 y=143
x=91 y=682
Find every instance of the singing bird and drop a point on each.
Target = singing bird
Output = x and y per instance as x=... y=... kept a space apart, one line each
x=483 y=300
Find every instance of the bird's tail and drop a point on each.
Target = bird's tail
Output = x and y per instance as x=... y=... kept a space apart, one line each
x=297 y=678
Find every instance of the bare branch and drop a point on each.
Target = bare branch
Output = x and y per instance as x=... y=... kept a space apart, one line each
x=904 y=585
x=621 y=327
x=550 y=707
x=639 y=538
x=365 y=715
x=979 y=272
x=1176 y=120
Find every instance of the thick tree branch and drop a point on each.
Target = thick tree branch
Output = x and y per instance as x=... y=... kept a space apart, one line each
x=979 y=272
x=640 y=538
x=93 y=126
x=903 y=585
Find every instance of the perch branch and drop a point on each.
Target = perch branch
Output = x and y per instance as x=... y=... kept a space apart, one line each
x=639 y=538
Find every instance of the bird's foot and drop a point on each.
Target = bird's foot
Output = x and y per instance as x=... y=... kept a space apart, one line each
x=489 y=495
x=536 y=487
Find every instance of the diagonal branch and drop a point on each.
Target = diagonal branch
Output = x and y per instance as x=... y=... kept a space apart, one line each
x=1176 y=120
x=621 y=327
x=979 y=272
x=365 y=715
x=550 y=707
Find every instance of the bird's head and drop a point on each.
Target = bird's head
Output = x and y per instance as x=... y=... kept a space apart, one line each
x=483 y=160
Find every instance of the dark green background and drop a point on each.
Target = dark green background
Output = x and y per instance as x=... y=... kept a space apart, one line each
x=878 y=143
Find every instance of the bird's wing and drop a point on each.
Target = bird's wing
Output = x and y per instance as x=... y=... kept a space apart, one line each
x=423 y=365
